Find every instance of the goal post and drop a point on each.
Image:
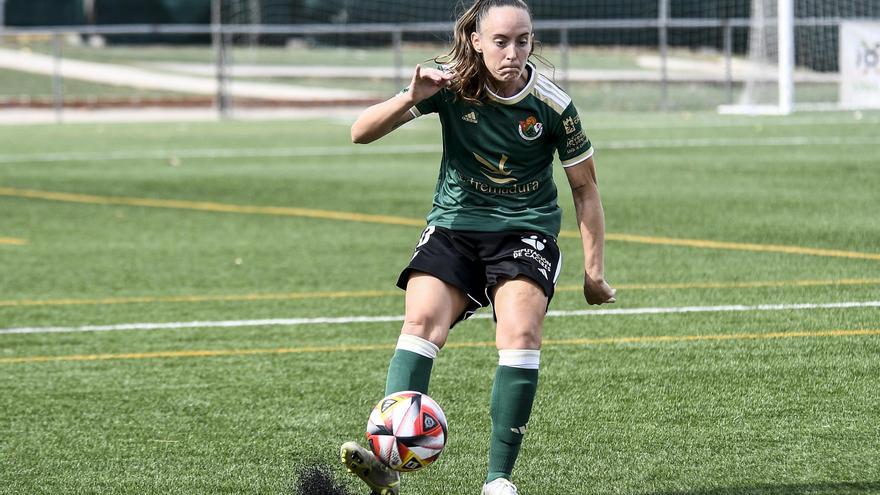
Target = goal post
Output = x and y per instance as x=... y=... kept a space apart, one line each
x=785 y=33
x=766 y=25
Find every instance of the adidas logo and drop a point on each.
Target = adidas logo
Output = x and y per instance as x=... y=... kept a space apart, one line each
x=471 y=117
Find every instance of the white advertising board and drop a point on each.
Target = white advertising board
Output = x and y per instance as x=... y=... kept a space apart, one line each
x=860 y=64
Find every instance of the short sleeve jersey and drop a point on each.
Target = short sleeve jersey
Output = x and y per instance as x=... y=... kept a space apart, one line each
x=496 y=172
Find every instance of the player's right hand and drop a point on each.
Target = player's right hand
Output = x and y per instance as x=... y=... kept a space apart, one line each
x=426 y=82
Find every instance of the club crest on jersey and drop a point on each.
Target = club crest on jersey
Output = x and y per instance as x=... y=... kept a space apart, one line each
x=530 y=129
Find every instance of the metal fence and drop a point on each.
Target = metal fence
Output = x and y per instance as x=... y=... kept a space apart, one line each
x=223 y=38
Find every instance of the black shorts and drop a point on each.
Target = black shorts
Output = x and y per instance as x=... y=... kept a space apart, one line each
x=476 y=261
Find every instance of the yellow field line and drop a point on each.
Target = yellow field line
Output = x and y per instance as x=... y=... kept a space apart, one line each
x=292 y=296
x=704 y=244
x=200 y=298
x=208 y=206
x=393 y=220
x=718 y=337
x=735 y=285
x=375 y=347
x=12 y=241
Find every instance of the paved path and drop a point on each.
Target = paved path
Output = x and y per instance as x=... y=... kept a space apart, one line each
x=44 y=116
x=679 y=70
x=123 y=75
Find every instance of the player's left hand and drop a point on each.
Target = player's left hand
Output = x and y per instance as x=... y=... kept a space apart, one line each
x=597 y=291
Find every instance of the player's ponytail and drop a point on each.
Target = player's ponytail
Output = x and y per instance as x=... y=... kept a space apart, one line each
x=471 y=74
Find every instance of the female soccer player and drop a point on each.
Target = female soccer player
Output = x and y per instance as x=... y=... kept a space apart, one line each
x=491 y=235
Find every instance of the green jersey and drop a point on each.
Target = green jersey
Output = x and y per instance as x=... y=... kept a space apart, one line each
x=496 y=172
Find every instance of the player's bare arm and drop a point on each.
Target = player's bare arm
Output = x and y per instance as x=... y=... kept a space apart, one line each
x=591 y=224
x=382 y=118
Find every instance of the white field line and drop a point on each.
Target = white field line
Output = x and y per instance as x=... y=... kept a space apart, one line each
x=388 y=319
x=637 y=144
x=87 y=156
x=730 y=122
x=738 y=142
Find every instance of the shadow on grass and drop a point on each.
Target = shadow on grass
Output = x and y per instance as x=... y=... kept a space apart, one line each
x=317 y=480
x=842 y=488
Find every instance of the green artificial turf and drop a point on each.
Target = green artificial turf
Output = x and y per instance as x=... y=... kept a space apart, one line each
x=707 y=403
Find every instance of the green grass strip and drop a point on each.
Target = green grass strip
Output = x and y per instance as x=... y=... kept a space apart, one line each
x=211 y=206
x=386 y=347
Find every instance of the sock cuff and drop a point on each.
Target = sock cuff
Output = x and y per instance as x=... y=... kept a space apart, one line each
x=529 y=359
x=418 y=345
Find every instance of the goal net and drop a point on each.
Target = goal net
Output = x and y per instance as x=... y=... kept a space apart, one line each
x=809 y=55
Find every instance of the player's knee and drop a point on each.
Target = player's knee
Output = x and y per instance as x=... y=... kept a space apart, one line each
x=427 y=328
x=518 y=335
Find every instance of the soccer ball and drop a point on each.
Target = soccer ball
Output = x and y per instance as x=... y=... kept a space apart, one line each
x=407 y=431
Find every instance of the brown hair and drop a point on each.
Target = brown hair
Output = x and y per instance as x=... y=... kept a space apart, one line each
x=470 y=72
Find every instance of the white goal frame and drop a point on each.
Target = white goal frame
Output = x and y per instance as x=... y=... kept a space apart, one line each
x=785 y=50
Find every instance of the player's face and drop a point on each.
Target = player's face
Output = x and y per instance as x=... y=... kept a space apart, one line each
x=505 y=40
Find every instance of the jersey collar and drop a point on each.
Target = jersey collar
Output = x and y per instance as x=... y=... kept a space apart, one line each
x=533 y=76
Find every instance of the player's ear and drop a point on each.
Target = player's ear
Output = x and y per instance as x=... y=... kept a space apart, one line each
x=475 y=42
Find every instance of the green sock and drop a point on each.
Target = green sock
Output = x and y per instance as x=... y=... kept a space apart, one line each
x=408 y=371
x=512 y=396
